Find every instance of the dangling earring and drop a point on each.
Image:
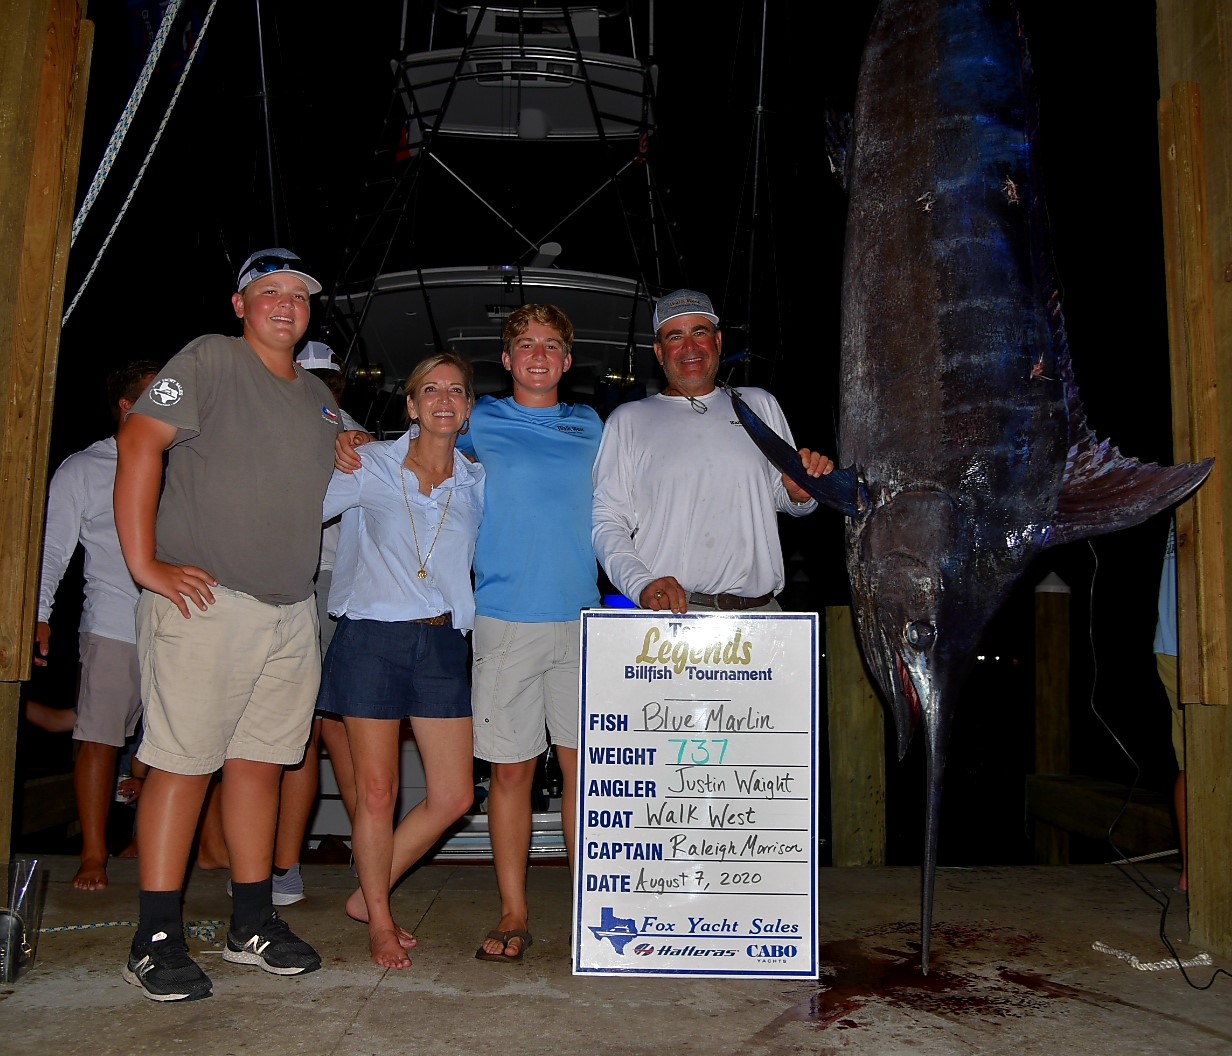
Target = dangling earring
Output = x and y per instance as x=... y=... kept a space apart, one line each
x=466 y=427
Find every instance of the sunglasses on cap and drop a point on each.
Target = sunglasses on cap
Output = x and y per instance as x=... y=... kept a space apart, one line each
x=267 y=264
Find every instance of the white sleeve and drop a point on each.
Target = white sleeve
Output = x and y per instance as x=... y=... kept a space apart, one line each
x=613 y=527
x=66 y=499
x=343 y=493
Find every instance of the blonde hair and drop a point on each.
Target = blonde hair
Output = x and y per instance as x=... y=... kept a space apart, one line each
x=546 y=314
x=441 y=359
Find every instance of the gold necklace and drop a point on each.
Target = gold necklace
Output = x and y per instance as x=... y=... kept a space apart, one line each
x=423 y=561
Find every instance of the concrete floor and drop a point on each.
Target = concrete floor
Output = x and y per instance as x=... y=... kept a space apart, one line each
x=1013 y=970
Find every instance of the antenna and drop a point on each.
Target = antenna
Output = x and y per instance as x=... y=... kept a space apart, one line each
x=758 y=115
x=269 y=142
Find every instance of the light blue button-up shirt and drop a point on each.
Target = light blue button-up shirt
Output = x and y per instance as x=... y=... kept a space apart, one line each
x=375 y=571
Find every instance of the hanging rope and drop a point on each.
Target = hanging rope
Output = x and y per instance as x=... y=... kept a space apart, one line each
x=192 y=55
x=126 y=117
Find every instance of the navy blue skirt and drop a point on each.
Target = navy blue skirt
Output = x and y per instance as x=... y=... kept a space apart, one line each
x=378 y=670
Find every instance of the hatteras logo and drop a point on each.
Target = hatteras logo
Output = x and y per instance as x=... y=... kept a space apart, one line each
x=643 y=949
x=166 y=392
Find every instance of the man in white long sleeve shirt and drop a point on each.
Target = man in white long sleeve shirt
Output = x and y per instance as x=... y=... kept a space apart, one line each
x=79 y=511
x=685 y=503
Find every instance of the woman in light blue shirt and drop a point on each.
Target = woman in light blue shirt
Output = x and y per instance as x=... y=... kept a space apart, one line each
x=402 y=594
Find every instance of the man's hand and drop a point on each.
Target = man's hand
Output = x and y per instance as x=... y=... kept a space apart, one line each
x=664 y=593
x=179 y=584
x=815 y=465
x=42 y=643
x=345 y=446
x=129 y=789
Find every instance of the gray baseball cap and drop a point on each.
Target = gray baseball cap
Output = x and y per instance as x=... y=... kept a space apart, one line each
x=682 y=302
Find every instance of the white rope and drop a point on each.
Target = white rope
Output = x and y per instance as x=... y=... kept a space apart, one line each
x=195 y=929
x=1202 y=960
x=192 y=55
x=126 y=117
x=1146 y=857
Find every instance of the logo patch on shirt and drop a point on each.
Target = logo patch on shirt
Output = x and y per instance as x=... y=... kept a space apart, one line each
x=328 y=415
x=166 y=392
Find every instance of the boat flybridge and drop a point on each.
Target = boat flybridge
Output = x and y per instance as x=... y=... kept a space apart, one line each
x=516 y=167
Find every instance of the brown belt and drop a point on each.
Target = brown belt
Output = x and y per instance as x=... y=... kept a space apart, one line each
x=729 y=601
x=445 y=619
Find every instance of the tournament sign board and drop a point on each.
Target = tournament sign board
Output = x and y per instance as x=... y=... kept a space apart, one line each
x=697 y=795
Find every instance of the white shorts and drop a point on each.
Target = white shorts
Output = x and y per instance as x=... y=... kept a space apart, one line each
x=525 y=686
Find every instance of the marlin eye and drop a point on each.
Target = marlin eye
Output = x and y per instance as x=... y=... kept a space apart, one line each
x=921 y=635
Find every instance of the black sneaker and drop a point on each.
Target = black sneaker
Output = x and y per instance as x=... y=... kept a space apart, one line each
x=272 y=947
x=163 y=969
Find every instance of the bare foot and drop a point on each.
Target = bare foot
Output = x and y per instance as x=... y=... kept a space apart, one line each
x=512 y=946
x=130 y=851
x=387 y=949
x=92 y=876
x=357 y=909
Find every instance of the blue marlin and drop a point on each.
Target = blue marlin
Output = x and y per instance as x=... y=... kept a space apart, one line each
x=964 y=442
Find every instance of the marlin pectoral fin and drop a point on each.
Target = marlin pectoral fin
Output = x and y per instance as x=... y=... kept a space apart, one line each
x=839 y=490
x=1103 y=491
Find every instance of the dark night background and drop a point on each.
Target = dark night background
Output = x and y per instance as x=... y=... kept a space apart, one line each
x=204 y=205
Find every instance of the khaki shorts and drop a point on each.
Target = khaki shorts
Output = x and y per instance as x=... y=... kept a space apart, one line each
x=237 y=681
x=525 y=685
x=1170 y=677
x=109 y=694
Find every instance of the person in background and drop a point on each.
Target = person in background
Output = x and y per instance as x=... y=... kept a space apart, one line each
x=684 y=502
x=227 y=624
x=1166 y=664
x=402 y=594
x=79 y=512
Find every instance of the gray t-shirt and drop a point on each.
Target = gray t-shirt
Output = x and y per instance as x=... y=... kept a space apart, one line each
x=247 y=472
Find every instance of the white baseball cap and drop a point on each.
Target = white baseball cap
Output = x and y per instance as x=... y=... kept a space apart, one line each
x=317 y=355
x=268 y=261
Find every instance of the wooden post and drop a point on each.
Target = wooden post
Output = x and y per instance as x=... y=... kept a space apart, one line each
x=1052 y=730
x=857 y=749
x=44 y=53
x=1195 y=202
x=1204 y=666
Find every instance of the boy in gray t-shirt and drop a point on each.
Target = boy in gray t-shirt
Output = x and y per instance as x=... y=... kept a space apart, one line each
x=227 y=624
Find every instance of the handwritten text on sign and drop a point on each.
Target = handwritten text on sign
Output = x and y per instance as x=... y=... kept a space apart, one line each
x=697 y=779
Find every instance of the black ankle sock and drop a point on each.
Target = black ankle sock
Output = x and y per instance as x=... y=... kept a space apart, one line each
x=251 y=903
x=160 y=912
